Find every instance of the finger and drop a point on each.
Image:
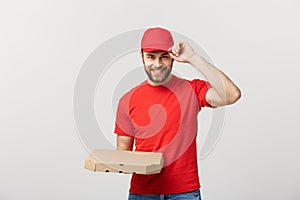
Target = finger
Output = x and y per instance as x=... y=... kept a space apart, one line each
x=172 y=55
x=178 y=45
x=174 y=51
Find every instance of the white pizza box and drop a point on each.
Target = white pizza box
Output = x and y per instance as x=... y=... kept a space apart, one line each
x=127 y=162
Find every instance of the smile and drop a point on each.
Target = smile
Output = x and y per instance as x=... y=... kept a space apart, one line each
x=157 y=71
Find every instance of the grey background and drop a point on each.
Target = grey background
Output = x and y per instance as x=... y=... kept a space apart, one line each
x=44 y=44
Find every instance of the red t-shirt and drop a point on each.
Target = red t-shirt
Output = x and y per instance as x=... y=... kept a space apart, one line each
x=164 y=119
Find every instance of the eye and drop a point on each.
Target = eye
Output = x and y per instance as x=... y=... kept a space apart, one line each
x=165 y=56
x=150 y=57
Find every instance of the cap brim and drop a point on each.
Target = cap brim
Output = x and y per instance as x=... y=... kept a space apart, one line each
x=155 y=49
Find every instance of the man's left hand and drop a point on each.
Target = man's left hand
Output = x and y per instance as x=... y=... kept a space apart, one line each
x=181 y=52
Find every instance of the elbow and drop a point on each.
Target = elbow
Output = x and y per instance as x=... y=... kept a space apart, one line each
x=234 y=96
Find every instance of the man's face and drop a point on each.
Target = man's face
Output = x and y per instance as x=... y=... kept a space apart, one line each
x=158 y=66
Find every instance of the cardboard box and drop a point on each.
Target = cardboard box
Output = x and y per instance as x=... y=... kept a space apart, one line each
x=127 y=162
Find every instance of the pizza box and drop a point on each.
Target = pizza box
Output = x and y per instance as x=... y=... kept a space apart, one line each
x=127 y=162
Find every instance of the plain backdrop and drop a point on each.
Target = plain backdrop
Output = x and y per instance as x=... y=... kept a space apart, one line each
x=43 y=45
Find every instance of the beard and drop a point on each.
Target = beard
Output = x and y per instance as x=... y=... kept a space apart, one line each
x=157 y=74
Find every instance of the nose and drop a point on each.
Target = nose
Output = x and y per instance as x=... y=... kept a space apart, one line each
x=158 y=62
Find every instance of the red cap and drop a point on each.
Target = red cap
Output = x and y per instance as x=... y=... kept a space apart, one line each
x=156 y=39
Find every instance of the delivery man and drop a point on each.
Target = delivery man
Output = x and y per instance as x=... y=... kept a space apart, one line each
x=160 y=115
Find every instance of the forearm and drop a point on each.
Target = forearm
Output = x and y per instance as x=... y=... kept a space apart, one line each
x=223 y=86
x=125 y=143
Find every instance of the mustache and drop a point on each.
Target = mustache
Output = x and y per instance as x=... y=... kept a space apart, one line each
x=153 y=66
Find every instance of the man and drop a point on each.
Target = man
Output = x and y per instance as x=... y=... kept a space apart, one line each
x=160 y=115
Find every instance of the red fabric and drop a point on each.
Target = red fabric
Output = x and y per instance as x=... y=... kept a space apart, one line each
x=164 y=119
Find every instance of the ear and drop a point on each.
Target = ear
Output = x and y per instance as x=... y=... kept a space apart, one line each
x=141 y=53
x=142 y=56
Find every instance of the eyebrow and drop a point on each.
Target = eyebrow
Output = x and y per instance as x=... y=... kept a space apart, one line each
x=150 y=54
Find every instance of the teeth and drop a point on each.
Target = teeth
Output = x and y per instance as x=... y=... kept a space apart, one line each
x=157 y=71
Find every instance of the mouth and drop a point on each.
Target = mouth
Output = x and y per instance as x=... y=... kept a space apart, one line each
x=157 y=72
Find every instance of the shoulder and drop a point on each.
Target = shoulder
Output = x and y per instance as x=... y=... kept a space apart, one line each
x=132 y=91
x=192 y=81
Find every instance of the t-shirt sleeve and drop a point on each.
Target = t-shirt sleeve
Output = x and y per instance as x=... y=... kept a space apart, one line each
x=123 y=123
x=200 y=88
